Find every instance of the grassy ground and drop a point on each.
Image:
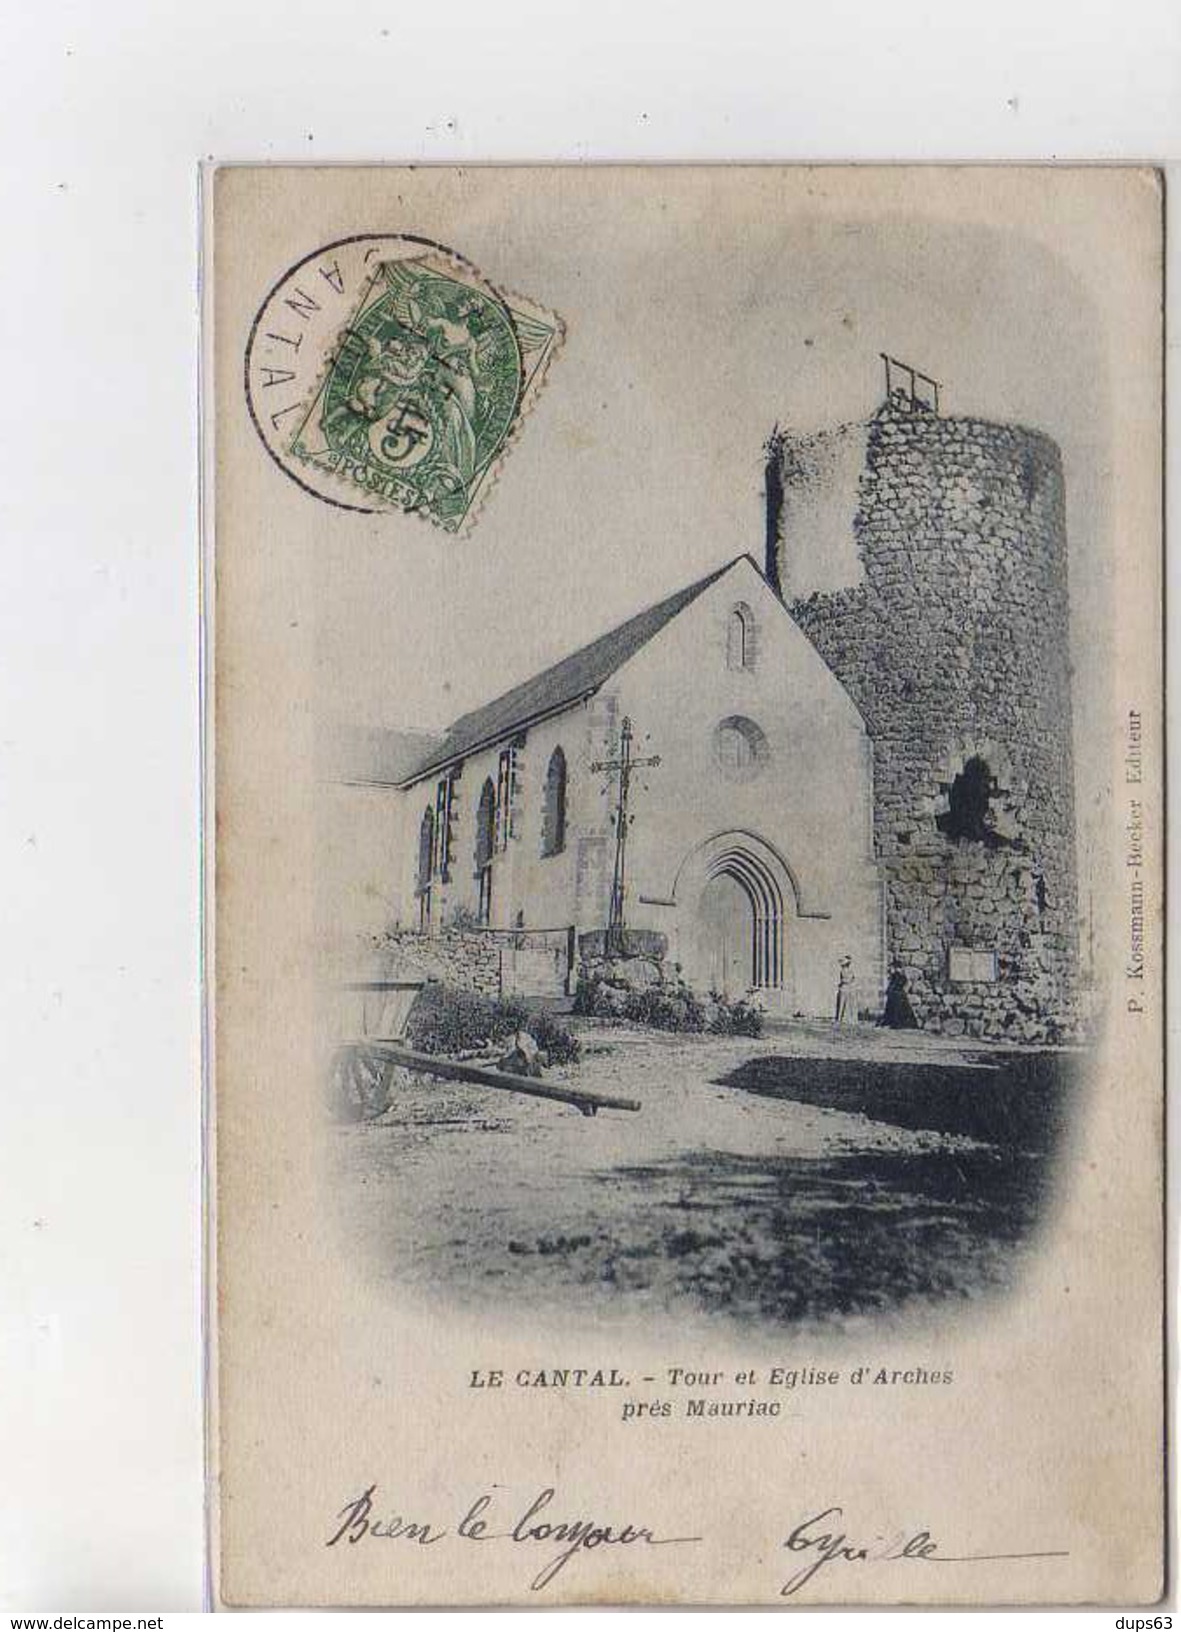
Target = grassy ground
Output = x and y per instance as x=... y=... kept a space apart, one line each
x=800 y=1178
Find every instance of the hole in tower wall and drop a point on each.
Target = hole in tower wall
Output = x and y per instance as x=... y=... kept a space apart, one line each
x=970 y=817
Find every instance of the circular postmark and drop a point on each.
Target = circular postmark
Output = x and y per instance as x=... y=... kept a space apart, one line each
x=383 y=372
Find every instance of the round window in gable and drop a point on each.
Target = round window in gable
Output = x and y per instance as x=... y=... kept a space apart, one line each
x=740 y=748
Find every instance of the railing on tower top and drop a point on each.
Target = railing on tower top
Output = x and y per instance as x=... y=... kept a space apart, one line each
x=903 y=387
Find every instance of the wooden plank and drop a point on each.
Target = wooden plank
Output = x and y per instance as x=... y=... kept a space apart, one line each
x=382 y=985
x=584 y=1099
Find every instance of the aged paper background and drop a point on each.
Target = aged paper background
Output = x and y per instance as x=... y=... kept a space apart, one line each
x=327 y=1381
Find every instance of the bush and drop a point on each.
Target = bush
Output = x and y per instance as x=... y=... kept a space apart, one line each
x=737 y=1017
x=667 y=1008
x=588 y=996
x=671 y=1006
x=447 y=1020
x=556 y=1041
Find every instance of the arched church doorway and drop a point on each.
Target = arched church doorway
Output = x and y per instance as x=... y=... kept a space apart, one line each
x=725 y=929
x=735 y=900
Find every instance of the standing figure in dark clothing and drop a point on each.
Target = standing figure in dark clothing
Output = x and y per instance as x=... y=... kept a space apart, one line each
x=898 y=1012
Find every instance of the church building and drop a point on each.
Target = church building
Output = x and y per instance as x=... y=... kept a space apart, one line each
x=749 y=846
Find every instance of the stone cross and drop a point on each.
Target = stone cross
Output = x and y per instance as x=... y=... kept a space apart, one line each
x=625 y=765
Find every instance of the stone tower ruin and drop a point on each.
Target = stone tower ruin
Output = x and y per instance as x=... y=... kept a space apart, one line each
x=925 y=557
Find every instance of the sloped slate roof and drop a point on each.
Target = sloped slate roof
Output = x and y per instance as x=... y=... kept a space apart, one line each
x=565 y=683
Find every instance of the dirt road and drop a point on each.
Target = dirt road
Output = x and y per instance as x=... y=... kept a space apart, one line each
x=801 y=1177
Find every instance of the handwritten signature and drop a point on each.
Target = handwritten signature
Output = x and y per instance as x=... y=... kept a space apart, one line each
x=357 y=1522
x=822 y=1540
x=816 y=1542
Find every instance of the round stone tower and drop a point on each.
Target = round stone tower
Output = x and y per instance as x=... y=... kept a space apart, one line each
x=925 y=557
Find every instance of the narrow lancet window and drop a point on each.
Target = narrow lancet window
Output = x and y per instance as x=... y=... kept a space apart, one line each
x=485 y=848
x=740 y=632
x=553 y=821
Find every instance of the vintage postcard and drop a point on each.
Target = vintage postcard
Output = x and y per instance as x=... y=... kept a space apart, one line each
x=686 y=885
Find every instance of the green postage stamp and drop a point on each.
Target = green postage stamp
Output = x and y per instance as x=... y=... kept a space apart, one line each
x=421 y=388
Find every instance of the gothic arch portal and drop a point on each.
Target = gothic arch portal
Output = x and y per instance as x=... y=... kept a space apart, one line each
x=735 y=898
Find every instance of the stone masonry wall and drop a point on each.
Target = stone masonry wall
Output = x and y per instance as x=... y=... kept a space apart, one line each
x=956 y=646
x=455 y=957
